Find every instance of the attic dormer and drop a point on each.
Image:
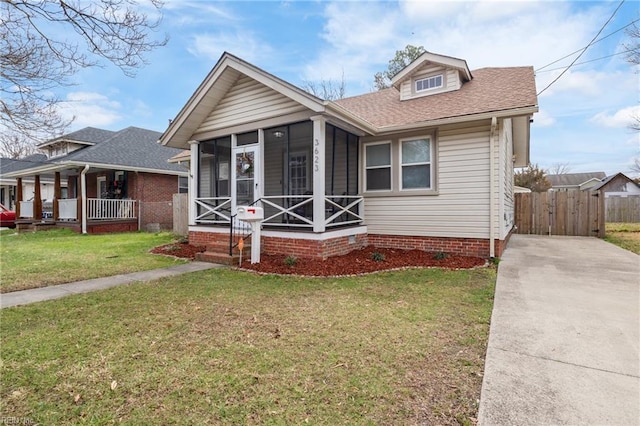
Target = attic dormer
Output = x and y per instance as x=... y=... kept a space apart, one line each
x=431 y=74
x=61 y=147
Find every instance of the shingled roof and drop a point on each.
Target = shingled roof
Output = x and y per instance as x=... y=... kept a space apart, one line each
x=574 y=179
x=490 y=91
x=132 y=148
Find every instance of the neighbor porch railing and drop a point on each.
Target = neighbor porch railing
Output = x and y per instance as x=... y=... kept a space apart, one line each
x=110 y=209
x=26 y=209
x=68 y=209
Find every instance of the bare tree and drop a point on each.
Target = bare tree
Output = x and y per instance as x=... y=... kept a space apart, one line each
x=382 y=80
x=326 y=89
x=559 y=169
x=44 y=43
x=15 y=145
x=635 y=167
x=633 y=45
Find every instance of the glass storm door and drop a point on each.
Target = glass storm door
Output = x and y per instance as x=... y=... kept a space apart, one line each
x=247 y=175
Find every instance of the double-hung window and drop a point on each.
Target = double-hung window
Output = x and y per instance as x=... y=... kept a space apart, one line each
x=378 y=167
x=415 y=167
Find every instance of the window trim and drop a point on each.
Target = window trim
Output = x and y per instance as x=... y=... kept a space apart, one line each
x=366 y=168
x=441 y=86
x=401 y=165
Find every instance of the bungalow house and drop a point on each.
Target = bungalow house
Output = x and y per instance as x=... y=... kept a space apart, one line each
x=575 y=181
x=427 y=163
x=115 y=181
x=8 y=185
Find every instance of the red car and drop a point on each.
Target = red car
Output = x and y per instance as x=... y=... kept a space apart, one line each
x=7 y=217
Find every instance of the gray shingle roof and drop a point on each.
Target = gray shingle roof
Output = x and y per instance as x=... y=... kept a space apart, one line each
x=132 y=147
x=8 y=165
x=574 y=179
x=88 y=134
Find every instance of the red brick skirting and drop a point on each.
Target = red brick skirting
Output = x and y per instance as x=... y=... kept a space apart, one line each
x=342 y=245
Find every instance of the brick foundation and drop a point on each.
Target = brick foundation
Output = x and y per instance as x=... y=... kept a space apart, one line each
x=341 y=245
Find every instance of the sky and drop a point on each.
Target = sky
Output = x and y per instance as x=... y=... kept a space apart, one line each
x=583 y=119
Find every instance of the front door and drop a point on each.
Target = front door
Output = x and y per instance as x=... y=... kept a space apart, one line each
x=246 y=188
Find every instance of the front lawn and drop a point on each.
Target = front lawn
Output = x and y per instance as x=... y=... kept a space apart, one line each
x=39 y=259
x=230 y=347
x=625 y=235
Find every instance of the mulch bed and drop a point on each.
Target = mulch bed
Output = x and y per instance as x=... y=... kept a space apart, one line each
x=368 y=259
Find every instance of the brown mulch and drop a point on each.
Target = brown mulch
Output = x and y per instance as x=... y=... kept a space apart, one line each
x=179 y=249
x=368 y=259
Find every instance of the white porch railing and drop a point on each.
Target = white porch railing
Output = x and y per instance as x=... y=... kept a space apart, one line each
x=213 y=210
x=343 y=210
x=26 y=209
x=110 y=209
x=68 y=209
x=291 y=211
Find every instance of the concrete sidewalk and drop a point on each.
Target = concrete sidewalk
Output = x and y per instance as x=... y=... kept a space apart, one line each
x=565 y=335
x=24 y=297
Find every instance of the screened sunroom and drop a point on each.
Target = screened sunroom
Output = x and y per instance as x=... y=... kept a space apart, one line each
x=304 y=175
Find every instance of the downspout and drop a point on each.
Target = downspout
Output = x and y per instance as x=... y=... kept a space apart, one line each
x=83 y=182
x=492 y=195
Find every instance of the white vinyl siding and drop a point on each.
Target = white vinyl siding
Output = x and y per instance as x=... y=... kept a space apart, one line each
x=461 y=208
x=248 y=101
x=450 y=76
x=507 y=204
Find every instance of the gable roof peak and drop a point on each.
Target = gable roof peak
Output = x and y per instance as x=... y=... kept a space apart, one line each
x=429 y=57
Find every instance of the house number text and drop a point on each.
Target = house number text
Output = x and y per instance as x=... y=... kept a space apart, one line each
x=316 y=156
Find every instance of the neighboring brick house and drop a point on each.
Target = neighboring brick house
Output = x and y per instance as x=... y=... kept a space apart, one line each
x=115 y=181
x=427 y=163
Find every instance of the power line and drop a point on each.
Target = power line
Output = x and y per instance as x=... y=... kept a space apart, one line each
x=583 y=50
x=597 y=41
x=590 y=60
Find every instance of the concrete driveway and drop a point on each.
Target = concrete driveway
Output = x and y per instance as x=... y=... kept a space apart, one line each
x=565 y=335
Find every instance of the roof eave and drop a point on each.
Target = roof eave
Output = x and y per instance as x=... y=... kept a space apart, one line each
x=513 y=112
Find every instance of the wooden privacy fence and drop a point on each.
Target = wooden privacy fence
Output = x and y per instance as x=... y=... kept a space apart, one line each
x=180 y=214
x=579 y=213
x=623 y=209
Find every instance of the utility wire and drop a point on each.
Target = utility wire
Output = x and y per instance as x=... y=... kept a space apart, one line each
x=583 y=50
x=591 y=60
x=597 y=41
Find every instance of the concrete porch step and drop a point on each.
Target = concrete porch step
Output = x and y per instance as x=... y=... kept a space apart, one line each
x=222 y=258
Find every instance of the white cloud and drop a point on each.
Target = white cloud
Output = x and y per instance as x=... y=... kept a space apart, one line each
x=90 y=109
x=242 y=44
x=622 y=118
x=543 y=119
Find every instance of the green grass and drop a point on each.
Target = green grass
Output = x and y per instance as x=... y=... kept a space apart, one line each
x=39 y=259
x=625 y=235
x=228 y=347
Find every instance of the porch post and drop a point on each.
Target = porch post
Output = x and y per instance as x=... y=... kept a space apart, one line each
x=18 y=196
x=194 y=171
x=319 y=126
x=37 y=199
x=78 y=199
x=57 y=194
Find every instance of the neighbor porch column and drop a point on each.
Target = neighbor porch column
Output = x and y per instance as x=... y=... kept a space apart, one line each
x=57 y=194
x=319 y=126
x=37 y=199
x=194 y=167
x=18 y=196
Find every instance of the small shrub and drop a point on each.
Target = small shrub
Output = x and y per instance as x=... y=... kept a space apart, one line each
x=183 y=240
x=172 y=247
x=495 y=260
x=377 y=256
x=290 y=261
x=440 y=255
